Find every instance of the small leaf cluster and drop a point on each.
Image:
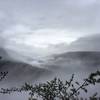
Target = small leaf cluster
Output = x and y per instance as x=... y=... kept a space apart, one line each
x=3 y=75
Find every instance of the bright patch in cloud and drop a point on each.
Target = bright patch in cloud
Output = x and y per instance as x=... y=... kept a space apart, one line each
x=41 y=38
x=45 y=37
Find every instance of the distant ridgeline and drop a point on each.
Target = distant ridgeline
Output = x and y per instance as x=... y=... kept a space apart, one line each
x=23 y=71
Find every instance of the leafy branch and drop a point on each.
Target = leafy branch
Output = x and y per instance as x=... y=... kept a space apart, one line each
x=58 y=89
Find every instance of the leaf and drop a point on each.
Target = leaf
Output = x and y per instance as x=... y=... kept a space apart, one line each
x=77 y=83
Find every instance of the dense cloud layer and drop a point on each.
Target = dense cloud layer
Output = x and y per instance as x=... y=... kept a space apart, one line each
x=31 y=29
x=88 y=43
x=72 y=18
x=34 y=23
x=66 y=14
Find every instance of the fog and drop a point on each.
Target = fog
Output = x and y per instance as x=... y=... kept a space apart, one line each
x=43 y=39
x=60 y=65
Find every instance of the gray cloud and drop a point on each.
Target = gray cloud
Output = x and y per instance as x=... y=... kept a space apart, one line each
x=68 y=14
x=64 y=20
x=87 y=43
x=56 y=21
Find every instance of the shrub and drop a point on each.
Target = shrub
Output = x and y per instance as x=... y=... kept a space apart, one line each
x=57 y=89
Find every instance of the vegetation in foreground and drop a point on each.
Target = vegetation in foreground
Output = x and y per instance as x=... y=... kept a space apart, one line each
x=57 y=89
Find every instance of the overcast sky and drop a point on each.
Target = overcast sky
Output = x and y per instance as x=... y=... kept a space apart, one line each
x=42 y=22
x=29 y=26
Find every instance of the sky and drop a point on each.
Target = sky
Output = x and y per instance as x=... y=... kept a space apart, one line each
x=30 y=29
x=39 y=23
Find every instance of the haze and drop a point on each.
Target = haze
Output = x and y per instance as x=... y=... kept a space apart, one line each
x=38 y=36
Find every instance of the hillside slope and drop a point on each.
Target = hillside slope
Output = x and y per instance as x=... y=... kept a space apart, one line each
x=20 y=72
x=73 y=60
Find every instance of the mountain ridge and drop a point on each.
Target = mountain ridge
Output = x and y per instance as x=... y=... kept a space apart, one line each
x=19 y=72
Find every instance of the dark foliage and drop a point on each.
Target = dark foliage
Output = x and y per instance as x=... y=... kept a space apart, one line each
x=57 y=89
